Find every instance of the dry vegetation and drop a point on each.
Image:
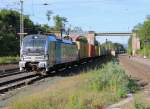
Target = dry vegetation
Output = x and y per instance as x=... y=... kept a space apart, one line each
x=140 y=101
x=95 y=89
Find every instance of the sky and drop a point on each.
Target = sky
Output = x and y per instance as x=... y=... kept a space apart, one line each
x=96 y=15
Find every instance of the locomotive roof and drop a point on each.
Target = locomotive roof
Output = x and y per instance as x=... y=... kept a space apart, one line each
x=49 y=38
x=34 y=36
x=52 y=38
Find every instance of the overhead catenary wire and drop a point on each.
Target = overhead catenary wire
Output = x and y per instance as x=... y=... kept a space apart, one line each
x=53 y=5
x=32 y=8
x=64 y=2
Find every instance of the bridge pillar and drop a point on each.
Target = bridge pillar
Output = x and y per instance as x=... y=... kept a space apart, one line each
x=135 y=43
x=91 y=37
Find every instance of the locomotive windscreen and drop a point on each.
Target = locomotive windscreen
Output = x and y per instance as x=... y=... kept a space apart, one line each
x=34 y=45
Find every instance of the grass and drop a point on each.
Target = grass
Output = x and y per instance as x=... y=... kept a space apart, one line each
x=141 y=101
x=9 y=59
x=147 y=51
x=95 y=89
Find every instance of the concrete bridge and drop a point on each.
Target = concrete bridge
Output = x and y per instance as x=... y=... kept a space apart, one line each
x=113 y=34
x=92 y=34
x=135 y=39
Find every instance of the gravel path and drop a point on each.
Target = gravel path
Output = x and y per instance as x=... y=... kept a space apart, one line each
x=136 y=67
x=8 y=66
x=141 y=60
x=139 y=69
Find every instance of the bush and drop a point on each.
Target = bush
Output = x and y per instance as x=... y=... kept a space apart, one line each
x=9 y=59
x=139 y=106
x=112 y=77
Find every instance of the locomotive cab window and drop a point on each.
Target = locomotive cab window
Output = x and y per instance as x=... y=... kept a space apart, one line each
x=34 y=44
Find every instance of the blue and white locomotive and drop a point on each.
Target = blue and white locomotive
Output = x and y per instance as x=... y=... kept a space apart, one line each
x=40 y=53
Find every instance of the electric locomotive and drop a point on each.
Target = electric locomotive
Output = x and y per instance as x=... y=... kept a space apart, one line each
x=40 y=53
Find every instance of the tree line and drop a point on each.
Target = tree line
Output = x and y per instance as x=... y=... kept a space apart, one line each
x=10 y=26
x=142 y=30
x=113 y=46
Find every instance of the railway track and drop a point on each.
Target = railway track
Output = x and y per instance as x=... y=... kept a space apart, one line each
x=13 y=80
x=6 y=74
x=9 y=72
x=16 y=80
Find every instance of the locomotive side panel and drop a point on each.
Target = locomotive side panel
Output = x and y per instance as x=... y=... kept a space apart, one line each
x=58 y=52
x=75 y=52
x=64 y=54
x=52 y=54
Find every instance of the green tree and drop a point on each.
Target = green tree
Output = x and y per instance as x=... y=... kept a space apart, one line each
x=9 y=23
x=143 y=31
x=118 y=47
x=113 y=46
x=59 y=22
x=9 y=27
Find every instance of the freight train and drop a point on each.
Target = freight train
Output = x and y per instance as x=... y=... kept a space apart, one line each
x=41 y=53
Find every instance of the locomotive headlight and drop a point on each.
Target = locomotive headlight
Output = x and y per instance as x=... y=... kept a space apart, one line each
x=26 y=57
x=43 y=57
x=39 y=57
x=46 y=57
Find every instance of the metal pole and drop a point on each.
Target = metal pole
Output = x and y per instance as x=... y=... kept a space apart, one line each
x=106 y=44
x=21 y=23
x=144 y=50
